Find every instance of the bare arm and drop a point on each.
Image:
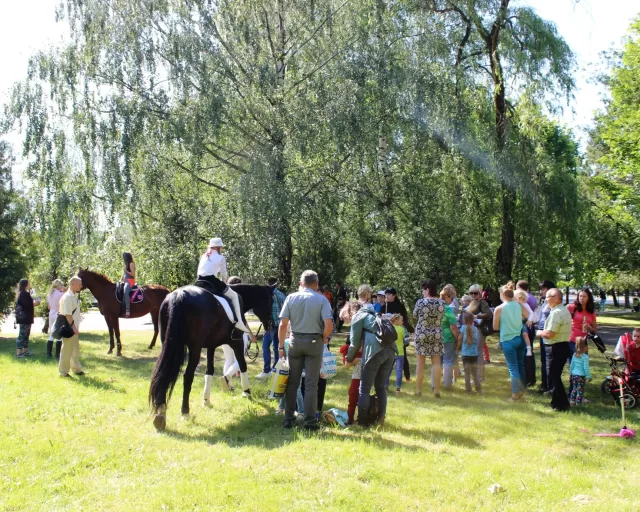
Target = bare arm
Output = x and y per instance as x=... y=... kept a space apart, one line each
x=496 y=318
x=282 y=332
x=328 y=329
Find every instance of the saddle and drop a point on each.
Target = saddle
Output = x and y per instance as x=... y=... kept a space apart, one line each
x=206 y=285
x=136 y=295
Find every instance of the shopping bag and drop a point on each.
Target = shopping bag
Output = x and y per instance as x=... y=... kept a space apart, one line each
x=280 y=379
x=329 y=366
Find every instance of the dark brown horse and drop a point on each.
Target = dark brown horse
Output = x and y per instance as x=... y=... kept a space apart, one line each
x=191 y=319
x=105 y=293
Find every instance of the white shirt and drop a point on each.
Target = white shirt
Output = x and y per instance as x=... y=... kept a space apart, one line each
x=213 y=265
x=53 y=300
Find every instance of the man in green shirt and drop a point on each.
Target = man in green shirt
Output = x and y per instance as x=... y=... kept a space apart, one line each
x=556 y=332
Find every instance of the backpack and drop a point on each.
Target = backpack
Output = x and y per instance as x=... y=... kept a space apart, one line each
x=21 y=315
x=385 y=331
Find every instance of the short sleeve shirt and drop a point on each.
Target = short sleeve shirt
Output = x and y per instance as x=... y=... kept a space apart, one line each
x=69 y=303
x=306 y=310
x=448 y=319
x=559 y=322
x=577 y=322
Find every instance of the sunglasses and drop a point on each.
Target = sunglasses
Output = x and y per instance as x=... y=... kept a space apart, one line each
x=474 y=293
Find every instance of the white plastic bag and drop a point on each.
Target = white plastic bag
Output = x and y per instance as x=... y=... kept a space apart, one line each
x=329 y=364
x=280 y=379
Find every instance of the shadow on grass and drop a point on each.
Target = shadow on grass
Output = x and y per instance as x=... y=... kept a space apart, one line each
x=94 y=382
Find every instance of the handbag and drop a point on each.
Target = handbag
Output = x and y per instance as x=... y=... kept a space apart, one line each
x=63 y=327
x=20 y=314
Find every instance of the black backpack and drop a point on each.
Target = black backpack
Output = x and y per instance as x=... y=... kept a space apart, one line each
x=385 y=331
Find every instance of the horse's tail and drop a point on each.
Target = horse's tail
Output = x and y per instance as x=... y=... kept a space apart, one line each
x=173 y=335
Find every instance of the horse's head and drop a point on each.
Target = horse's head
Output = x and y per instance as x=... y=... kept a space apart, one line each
x=93 y=280
x=257 y=299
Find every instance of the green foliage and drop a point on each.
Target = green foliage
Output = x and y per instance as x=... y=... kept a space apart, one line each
x=13 y=261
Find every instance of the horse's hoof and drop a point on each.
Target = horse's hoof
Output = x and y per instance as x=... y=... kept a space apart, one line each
x=160 y=422
x=150 y=347
x=246 y=394
x=110 y=351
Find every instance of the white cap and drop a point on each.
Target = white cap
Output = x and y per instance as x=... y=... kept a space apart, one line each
x=216 y=242
x=381 y=292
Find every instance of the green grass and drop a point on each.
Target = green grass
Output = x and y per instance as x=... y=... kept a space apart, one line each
x=620 y=320
x=89 y=444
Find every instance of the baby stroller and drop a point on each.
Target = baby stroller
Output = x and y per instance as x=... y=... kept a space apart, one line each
x=619 y=372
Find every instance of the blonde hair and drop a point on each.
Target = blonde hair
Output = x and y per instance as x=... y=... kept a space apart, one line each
x=451 y=289
x=396 y=319
x=509 y=286
x=520 y=295
x=55 y=285
x=364 y=290
x=447 y=292
x=465 y=299
x=581 y=347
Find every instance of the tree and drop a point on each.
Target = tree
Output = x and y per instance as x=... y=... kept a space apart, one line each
x=12 y=259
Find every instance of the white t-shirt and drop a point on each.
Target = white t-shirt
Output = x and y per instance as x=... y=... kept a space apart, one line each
x=212 y=265
x=53 y=299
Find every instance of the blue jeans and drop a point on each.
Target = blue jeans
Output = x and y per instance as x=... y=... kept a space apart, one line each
x=514 y=351
x=375 y=373
x=399 y=364
x=125 y=296
x=269 y=338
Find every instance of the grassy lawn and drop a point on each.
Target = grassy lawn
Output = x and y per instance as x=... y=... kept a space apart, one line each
x=88 y=443
x=620 y=320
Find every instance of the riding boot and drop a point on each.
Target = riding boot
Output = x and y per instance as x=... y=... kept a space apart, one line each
x=58 y=347
x=49 y=348
x=208 y=379
x=233 y=296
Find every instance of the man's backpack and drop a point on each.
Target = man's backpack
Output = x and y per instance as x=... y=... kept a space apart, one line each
x=385 y=331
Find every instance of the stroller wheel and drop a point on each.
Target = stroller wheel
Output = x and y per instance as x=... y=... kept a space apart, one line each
x=630 y=401
x=608 y=386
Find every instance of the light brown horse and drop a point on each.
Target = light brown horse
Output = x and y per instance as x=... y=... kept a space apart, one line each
x=104 y=291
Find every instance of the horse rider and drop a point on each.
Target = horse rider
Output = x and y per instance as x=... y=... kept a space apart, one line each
x=213 y=263
x=129 y=280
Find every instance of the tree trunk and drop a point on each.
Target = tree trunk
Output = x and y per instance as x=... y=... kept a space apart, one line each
x=612 y=292
x=567 y=290
x=627 y=301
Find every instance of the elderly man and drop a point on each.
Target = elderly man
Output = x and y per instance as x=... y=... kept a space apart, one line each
x=70 y=310
x=544 y=287
x=555 y=335
x=310 y=316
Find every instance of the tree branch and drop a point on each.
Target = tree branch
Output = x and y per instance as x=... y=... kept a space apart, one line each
x=193 y=174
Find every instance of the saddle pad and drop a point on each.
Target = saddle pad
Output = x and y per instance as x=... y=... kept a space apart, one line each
x=136 y=295
x=227 y=309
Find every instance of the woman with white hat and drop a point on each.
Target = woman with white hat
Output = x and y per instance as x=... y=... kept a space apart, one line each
x=213 y=263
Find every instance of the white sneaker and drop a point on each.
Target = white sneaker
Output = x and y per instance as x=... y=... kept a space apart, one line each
x=263 y=376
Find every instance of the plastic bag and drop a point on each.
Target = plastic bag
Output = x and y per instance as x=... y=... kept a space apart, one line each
x=329 y=365
x=280 y=379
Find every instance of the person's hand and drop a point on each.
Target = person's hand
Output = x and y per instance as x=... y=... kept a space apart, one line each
x=75 y=329
x=539 y=333
x=253 y=338
x=281 y=352
x=529 y=324
x=326 y=341
x=529 y=351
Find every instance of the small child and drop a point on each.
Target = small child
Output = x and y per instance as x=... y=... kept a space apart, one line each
x=397 y=322
x=580 y=372
x=468 y=341
x=356 y=375
x=521 y=296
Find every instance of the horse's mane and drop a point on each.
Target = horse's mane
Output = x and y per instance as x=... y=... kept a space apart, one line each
x=98 y=275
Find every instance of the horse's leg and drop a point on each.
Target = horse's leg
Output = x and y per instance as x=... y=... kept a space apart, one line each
x=194 y=358
x=116 y=328
x=238 y=350
x=154 y=319
x=110 y=327
x=208 y=378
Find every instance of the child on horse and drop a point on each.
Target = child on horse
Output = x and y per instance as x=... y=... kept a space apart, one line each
x=129 y=280
x=213 y=263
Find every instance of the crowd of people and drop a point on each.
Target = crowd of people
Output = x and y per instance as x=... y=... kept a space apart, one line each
x=450 y=332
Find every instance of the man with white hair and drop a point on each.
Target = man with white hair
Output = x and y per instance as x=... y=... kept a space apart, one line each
x=70 y=310
x=311 y=319
x=555 y=335
x=213 y=263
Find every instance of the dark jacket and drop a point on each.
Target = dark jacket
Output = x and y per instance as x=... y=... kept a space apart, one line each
x=26 y=302
x=398 y=307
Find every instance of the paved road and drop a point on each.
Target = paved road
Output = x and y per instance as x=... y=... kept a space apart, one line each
x=91 y=321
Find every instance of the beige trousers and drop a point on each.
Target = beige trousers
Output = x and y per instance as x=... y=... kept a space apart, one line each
x=70 y=355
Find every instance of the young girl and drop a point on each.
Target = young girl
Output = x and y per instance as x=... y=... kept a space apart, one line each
x=347 y=313
x=129 y=280
x=53 y=300
x=521 y=296
x=468 y=341
x=397 y=321
x=580 y=372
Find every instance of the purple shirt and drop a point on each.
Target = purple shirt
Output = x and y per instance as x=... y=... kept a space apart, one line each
x=533 y=303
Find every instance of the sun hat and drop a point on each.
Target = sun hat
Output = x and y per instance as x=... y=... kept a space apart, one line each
x=216 y=242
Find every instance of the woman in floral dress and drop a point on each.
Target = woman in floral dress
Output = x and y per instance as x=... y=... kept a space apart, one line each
x=428 y=335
